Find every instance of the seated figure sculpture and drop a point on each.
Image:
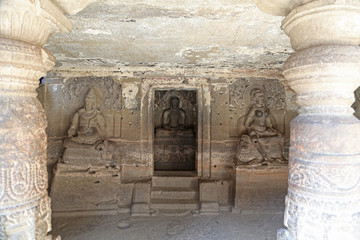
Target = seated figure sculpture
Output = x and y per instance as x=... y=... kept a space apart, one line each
x=260 y=142
x=87 y=141
x=173 y=121
x=88 y=124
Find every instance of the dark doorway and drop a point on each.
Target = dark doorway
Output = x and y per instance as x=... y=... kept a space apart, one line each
x=175 y=130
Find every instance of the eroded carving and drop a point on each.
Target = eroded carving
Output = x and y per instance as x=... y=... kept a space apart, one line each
x=87 y=141
x=260 y=142
x=324 y=177
x=19 y=225
x=173 y=121
x=88 y=124
x=274 y=97
x=237 y=90
x=43 y=218
x=74 y=89
x=23 y=150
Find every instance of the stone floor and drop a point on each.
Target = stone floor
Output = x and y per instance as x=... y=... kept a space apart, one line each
x=188 y=226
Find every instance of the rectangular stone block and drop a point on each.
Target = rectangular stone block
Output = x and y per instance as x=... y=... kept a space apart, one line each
x=215 y=195
x=209 y=208
x=142 y=192
x=141 y=199
x=260 y=188
x=208 y=192
x=140 y=209
x=131 y=172
x=83 y=190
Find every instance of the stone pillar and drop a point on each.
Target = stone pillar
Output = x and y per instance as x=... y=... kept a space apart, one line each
x=24 y=203
x=323 y=200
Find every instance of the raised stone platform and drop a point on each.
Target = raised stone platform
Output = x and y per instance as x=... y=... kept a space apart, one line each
x=89 y=190
x=260 y=189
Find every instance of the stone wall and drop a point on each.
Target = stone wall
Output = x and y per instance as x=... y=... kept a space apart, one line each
x=127 y=106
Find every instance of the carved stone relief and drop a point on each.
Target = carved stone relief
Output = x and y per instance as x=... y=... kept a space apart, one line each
x=23 y=151
x=74 y=92
x=43 y=218
x=87 y=141
x=19 y=225
x=175 y=124
x=75 y=89
x=274 y=92
x=260 y=141
x=91 y=156
x=187 y=101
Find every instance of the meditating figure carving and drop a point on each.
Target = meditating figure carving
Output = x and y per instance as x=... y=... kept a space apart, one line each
x=174 y=120
x=87 y=142
x=88 y=124
x=260 y=142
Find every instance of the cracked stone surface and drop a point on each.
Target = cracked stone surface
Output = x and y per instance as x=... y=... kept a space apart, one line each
x=221 y=34
x=226 y=226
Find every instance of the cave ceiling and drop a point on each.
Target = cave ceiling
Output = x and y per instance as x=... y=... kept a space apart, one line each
x=172 y=33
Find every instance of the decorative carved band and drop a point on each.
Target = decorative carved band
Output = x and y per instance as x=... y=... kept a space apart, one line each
x=273 y=89
x=324 y=78
x=22 y=64
x=23 y=173
x=309 y=216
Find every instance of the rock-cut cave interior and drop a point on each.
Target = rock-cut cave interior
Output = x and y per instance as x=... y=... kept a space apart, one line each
x=221 y=119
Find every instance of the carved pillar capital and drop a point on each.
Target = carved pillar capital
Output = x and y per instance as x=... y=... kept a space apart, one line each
x=31 y=20
x=321 y=22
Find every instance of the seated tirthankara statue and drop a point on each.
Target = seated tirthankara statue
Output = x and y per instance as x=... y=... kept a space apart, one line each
x=174 y=143
x=259 y=142
x=173 y=121
x=87 y=134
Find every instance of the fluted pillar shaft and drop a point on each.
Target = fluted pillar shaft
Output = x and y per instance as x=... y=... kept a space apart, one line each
x=323 y=200
x=24 y=203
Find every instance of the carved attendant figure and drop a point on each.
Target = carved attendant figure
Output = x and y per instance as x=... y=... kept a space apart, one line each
x=88 y=124
x=259 y=141
x=258 y=120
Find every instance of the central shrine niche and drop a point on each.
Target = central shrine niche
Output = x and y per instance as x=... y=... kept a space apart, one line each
x=174 y=131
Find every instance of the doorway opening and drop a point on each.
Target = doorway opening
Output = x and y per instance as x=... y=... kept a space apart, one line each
x=175 y=118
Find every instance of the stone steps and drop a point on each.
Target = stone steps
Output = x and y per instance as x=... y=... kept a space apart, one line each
x=158 y=203
x=175 y=193
x=176 y=181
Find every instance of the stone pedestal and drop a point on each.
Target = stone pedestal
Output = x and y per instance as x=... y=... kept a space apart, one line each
x=323 y=200
x=24 y=203
x=174 y=153
x=141 y=199
x=215 y=196
x=260 y=189
x=87 y=190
